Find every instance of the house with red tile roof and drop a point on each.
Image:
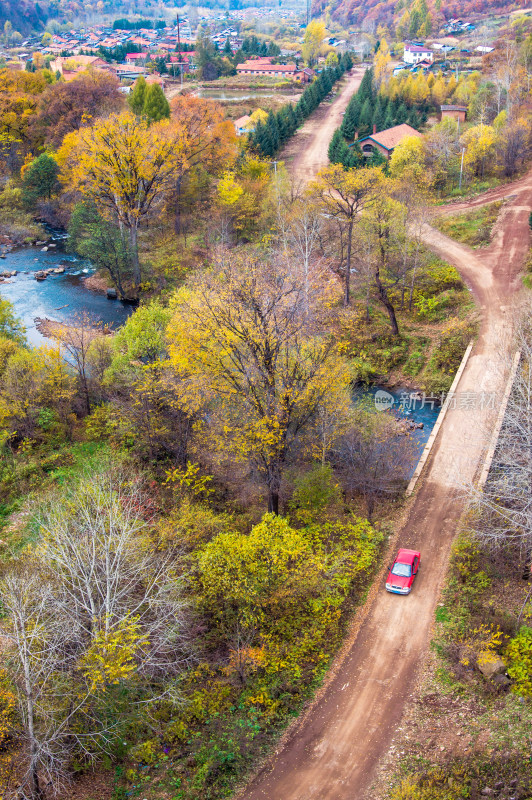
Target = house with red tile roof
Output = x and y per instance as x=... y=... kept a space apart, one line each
x=263 y=66
x=136 y=58
x=386 y=141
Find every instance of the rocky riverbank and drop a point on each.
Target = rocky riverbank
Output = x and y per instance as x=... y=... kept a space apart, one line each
x=96 y=283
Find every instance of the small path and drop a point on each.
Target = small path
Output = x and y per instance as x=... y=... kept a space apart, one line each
x=306 y=152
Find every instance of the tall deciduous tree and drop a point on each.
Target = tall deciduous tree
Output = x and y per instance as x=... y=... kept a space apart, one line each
x=40 y=180
x=343 y=195
x=209 y=144
x=374 y=458
x=126 y=167
x=313 y=41
x=65 y=106
x=94 y=610
x=384 y=224
x=242 y=333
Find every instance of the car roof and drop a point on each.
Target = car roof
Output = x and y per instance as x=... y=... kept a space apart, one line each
x=407 y=556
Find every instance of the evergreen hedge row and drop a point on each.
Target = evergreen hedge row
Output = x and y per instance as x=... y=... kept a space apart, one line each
x=270 y=135
x=366 y=109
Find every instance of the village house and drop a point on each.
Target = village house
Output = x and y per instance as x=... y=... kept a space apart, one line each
x=415 y=53
x=386 y=141
x=136 y=58
x=306 y=75
x=70 y=66
x=186 y=59
x=263 y=66
x=241 y=125
x=458 y=113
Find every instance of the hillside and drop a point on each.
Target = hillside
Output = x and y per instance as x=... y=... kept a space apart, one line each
x=411 y=17
x=25 y=16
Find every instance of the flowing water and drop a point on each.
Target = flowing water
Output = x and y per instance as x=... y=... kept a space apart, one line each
x=407 y=404
x=58 y=297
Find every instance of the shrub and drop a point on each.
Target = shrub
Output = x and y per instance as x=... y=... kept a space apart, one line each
x=146 y=752
x=414 y=364
x=452 y=344
x=314 y=492
x=519 y=655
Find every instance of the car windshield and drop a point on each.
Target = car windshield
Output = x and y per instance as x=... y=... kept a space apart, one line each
x=403 y=570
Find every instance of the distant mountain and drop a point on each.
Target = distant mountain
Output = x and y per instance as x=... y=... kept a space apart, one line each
x=24 y=15
x=410 y=15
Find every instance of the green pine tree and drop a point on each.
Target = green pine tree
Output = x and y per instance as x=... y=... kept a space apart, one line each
x=273 y=131
x=416 y=21
x=389 y=121
x=294 y=122
x=40 y=180
x=156 y=105
x=335 y=145
x=365 y=90
x=137 y=96
x=349 y=123
x=413 y=119
x=356 y=155
x=378 y=115
x=402 y=114
x=365 y=119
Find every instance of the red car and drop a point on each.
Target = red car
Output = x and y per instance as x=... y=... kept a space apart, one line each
x=403 y=571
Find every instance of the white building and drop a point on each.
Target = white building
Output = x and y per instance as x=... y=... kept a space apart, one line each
x=415 y=53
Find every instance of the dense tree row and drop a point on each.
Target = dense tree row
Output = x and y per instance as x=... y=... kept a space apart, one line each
x=368 y=110
x=270 y=135
x=252 y=46
x=125 y=24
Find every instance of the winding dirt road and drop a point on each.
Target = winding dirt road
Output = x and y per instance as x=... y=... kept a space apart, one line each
x=306 y=152
x=332 y=752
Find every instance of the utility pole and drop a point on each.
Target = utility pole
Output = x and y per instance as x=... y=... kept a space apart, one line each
x=309 y=5
x=461 y=168
x=179 y=56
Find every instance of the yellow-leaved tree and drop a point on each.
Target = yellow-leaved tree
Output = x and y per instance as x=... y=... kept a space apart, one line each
x=250 y=346
x=126 y=167
x=313 y=41
x=479 y=144
x=408 y=161
x=382 y=61
x=343 y=194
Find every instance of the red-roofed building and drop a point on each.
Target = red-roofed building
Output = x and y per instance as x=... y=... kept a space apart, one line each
x=136 y=58
x=263 y=66
x=415 y=53
x=140 y=42
x=386 y=141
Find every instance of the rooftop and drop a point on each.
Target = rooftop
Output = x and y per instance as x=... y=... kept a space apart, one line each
x=393 y=136
x=415 y=48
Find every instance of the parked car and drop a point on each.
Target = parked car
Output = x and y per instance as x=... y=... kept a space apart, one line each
x=403 y=571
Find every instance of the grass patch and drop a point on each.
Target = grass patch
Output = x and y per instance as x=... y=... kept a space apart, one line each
x=473 y=228
x=435 y=324
x=472 y=189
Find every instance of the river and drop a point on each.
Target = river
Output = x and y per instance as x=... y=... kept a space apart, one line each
x=407 y=404
x=59 y=297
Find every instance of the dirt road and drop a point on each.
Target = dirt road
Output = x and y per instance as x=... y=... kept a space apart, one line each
x=332 y=752
x=306 y=152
